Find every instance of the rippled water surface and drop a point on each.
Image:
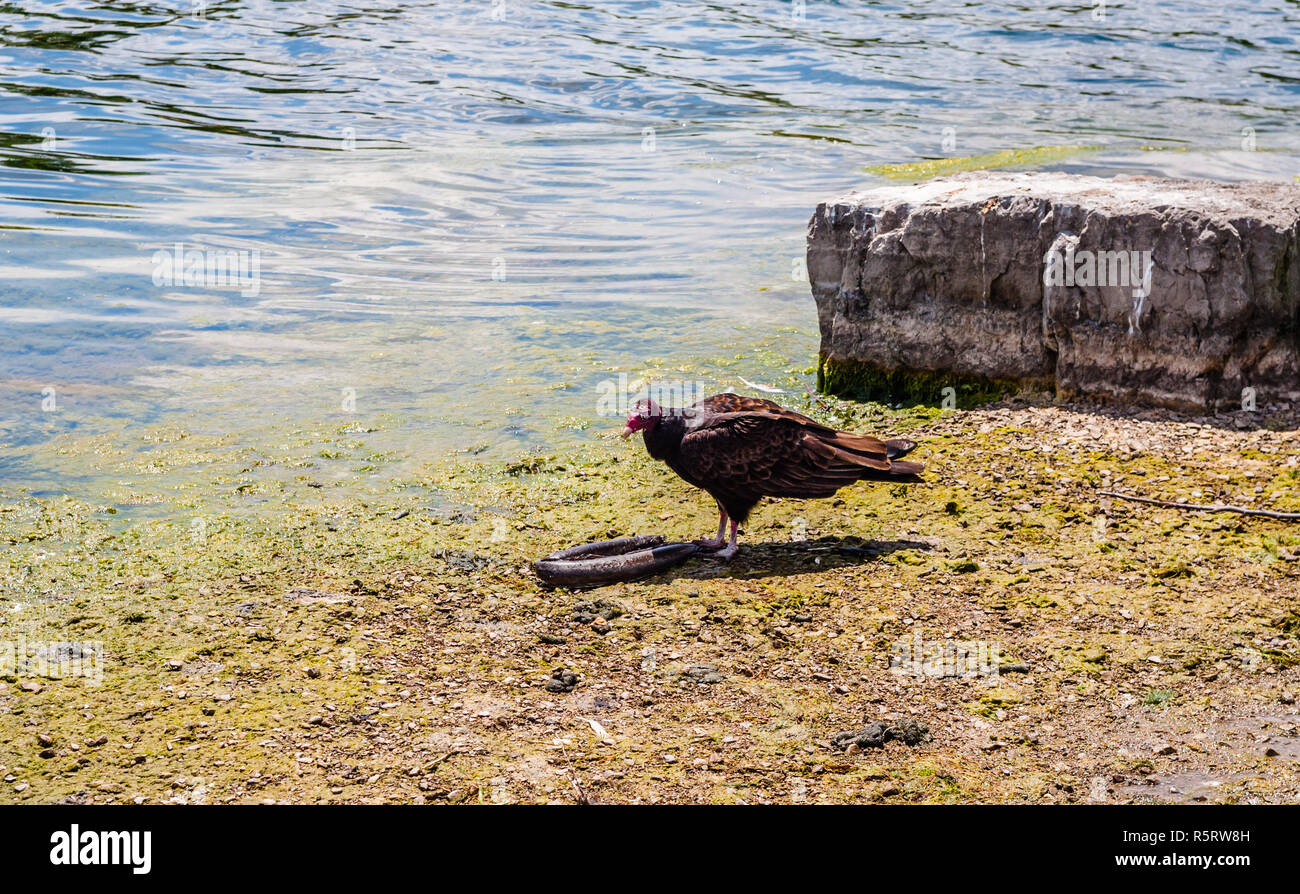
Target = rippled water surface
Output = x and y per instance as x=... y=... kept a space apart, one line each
x=465 y=216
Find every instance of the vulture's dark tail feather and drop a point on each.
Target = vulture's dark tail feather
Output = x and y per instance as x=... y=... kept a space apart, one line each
x=904 y=469
x=899 y=447
x=862 y=454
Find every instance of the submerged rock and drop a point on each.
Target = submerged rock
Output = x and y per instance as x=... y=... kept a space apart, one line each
x=1140 y=290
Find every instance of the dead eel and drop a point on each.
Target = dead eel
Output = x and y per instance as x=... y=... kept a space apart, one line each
x=609 y=561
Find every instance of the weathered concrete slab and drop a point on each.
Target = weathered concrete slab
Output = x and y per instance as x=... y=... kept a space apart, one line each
x=1140 y=290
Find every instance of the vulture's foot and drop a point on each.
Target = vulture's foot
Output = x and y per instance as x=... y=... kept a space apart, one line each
x=726 y=554
x=710 y=543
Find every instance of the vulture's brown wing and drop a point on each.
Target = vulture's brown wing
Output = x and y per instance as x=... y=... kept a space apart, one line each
x=738 y=403
x=775 y=453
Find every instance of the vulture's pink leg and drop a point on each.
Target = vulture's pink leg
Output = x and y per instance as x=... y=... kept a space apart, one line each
x=716 y=542
x=730 y=551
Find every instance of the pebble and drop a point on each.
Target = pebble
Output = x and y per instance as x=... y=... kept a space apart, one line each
x=562 y=681
x=702 y=673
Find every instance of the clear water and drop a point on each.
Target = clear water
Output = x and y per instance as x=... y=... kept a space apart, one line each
x=467 y=215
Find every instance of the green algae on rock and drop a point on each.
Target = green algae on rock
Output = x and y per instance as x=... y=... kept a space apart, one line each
x=1006 y=158
x=862 y=380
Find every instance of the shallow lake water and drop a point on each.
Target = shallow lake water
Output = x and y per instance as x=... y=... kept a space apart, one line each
x=457 y=223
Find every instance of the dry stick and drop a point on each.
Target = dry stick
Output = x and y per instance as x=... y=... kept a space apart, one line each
x=582 y=796
x=433 y=766
x=1204 y=507
x=568 y=773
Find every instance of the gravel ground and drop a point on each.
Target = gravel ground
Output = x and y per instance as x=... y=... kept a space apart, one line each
x=1000 y=633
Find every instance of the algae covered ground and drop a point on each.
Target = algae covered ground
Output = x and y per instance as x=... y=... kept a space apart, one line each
x=298 y=624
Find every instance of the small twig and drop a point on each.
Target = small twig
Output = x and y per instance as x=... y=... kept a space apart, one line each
x=582 y=796
x=433 y=766
x=569 y=774
x=1203 y=507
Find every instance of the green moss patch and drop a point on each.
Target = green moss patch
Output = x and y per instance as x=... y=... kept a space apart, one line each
x=860 y=380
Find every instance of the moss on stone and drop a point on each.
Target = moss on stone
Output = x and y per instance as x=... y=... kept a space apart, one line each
x=861 y=380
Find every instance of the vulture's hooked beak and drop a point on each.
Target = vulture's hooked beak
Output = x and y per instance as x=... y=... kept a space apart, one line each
x=627 y=432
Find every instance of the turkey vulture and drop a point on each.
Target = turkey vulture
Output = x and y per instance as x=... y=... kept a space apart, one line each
x=741 y=449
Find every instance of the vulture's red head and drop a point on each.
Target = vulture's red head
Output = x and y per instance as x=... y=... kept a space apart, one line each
x=643 y=416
